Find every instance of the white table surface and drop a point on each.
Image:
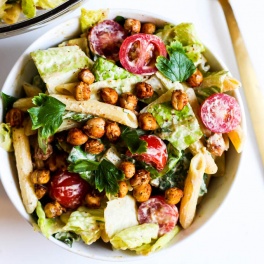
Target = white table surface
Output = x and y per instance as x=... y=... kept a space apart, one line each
x=235 y=234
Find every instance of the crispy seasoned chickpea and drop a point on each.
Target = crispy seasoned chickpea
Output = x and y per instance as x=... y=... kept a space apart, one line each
x=144 y=90
x=57 y=161
x=132 y=26
x=76 y=137
x=195 y=79
x=40 y=176
x=40 y=190
x=95 y=127
x=112 y=131
x=141 y=177
x=123 y=189
x=109 y=95
x=173 y=195
x=53 y=209
x=148 y=28
x=15 y=117
x=147 y=121
x=39 y=154
x=86 y=76
x=128 y=168
x=179 y=99
x=94 y=146
x=128 y=101
x=142 y=193
x=82 y=91
x=93 y=200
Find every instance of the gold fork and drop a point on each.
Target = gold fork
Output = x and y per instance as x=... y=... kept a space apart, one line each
x=253 y=94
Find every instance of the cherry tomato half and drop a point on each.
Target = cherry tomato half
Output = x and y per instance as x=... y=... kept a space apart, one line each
x=138 y=53
x=220 y=113
x=157 y=211
x=68 y=188
x=105 y=39
x=156 y=154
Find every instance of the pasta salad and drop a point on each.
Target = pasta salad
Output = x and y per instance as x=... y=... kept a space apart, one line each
x=119 y=133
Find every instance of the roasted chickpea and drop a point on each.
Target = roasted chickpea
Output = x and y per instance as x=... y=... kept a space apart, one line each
x=53 y=209
x=40 y=176
x=195 y=79
x=109 y=95
x=173 y=195
x=76 y=137
x=95 y=127
x=123 y=189
x=146 y=121
x=82 y=91
x=141 y=177
x=128 y=168
x=40 y=155
x=132 y=26
x=94 y=146
x=148 y=28
x=57 y=161
x=40 y=190
x=144 y=90
x=15 y=117
x=112 y=131
x=179 y=99
x=142 y=193
x=128 y=101
x=86 y=76
x=93 y=200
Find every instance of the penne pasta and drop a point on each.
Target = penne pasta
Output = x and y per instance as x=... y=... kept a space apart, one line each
x=191 y=190
x=23 y=104
x=237 y=137
x=11 y=15
x=93 y=107
x=24 y=168
x=31 y=90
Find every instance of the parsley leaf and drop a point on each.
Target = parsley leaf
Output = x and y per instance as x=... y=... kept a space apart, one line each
x=107 y=176
x=83 y=165
x=47 y=115
x=8 y=101
x=133 y=142
x=178 y=67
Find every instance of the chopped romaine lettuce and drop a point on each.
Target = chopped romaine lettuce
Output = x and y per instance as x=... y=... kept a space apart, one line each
x=180 y=128
x=106 y=70
x=60 y=65
x=29 y=8
x=8 y=101
x=159 y=243
x=6 y=137
x=82 y=43
x=90 y=17
x=47 y=4
x=67 y=237
x=135 y=236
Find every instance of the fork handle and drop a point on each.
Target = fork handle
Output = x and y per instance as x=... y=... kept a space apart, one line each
x=253 y=94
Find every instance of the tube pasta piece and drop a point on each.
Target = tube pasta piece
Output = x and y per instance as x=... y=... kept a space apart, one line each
x=24 y=104
x=24 y=168
x=66 y=88
x=191 y=190
x=198 y=147
x=221 y=165
x=192 y=99
x=237 y=138
x=93 y=107
x=30 y=89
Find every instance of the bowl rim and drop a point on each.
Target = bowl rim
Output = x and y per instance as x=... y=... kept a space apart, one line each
x=37 y=21
x=20 y=62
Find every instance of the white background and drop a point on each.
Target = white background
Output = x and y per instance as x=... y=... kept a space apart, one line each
x=235 y=234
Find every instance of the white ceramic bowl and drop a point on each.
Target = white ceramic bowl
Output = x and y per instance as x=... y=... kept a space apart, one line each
x=24 y=69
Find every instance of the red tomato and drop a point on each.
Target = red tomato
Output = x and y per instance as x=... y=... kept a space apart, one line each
x=105 y=39
x=157 y=211
x=68 y=188
x=220 y=113
x=156 y=154
x=138 y=53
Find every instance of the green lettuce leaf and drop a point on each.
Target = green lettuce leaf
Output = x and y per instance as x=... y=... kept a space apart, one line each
x=135 y=236
x=159 y=243
x=29 y=8
x=47 y=4
x=6 y=137
x=91 y=17
x=8 y=101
